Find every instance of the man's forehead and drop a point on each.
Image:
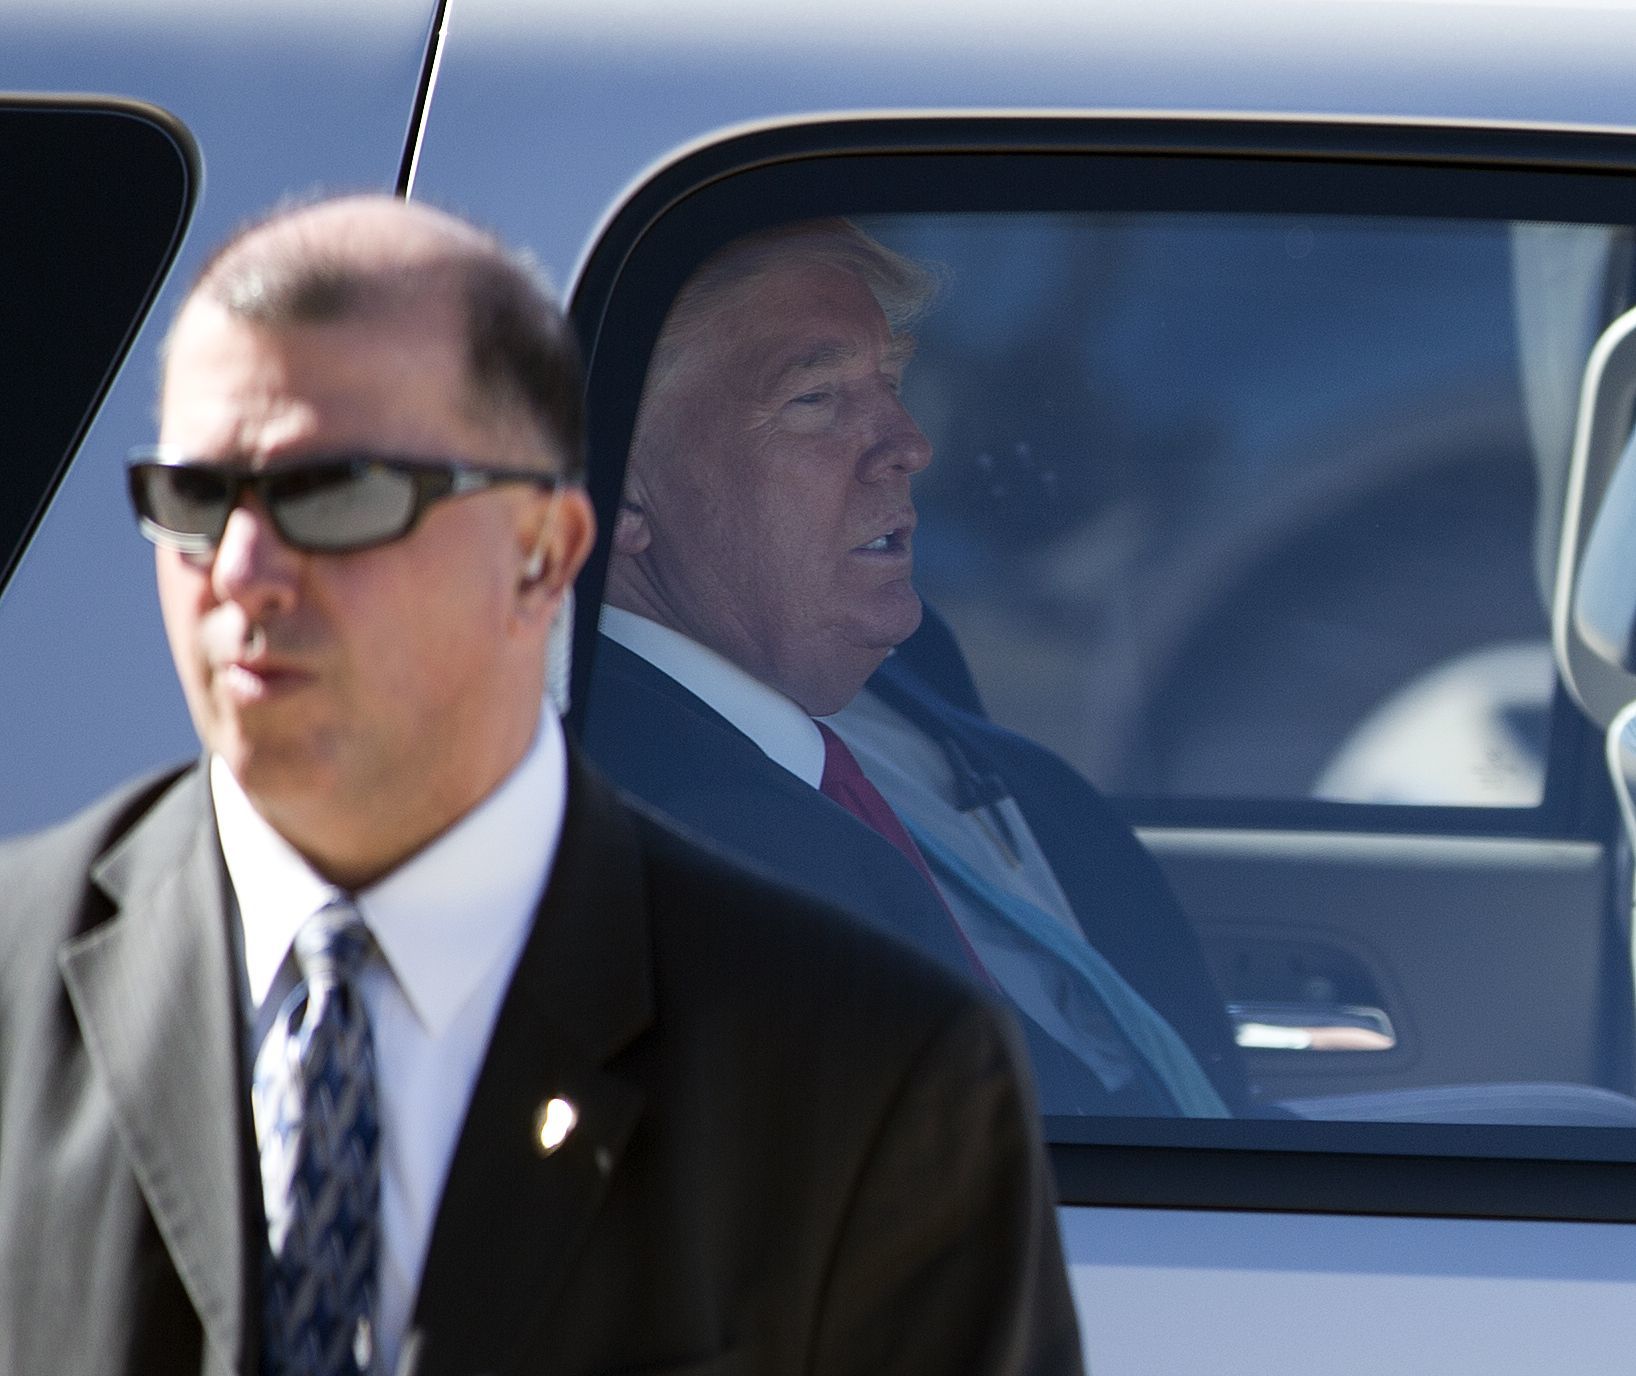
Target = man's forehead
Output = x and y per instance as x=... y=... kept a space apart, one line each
x=431 y=320
x=802 y=314
x=816 y=354
x=233 y=384
x=797 y=282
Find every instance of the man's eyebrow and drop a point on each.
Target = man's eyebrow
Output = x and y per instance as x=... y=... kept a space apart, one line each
x=818 y=356
x=896 y=355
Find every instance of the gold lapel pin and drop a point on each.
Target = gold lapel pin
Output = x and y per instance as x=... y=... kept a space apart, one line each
x=552 y=1124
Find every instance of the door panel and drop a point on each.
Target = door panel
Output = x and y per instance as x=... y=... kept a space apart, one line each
x=1486 y=955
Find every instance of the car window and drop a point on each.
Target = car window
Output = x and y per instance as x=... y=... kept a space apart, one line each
x=1243 y=506
x=82 y=262
x=1168 y=544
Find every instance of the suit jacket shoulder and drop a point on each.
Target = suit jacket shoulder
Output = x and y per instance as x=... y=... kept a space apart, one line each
x=668 y=749
x=123 y=1118
x=797 y=1145
x=45 y=891
x=919 y=1173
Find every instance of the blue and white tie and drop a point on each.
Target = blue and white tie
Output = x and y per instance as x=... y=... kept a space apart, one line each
x=319 y=1136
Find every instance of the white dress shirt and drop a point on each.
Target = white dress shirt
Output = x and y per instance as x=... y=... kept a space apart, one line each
x=450 y=923
x=995 y=844
x=914 y=774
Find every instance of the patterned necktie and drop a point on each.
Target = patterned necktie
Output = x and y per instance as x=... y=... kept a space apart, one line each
x=318 y=1131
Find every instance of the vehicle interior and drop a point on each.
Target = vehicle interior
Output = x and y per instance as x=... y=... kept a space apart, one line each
x=1246 y=503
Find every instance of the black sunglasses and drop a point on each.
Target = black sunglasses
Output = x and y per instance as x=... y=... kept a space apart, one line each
x=323 y=504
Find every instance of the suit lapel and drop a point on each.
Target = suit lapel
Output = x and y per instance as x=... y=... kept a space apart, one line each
x=672 y=750
x=512 y=1218
x=157 y=1002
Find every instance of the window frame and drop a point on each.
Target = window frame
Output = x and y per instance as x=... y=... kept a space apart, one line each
x=769 y=174
x=158 y=205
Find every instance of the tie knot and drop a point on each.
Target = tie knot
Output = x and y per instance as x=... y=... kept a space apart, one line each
x=842 y=773
x=332 y=945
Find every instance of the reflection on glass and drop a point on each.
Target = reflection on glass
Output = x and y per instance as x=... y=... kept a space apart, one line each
x=930 y=522
x=1266 y=492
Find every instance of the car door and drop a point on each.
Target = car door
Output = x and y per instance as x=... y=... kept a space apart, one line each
x=1250 y=440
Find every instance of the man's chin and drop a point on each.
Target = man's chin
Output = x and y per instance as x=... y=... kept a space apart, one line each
x=831 y=682
x=895 y=622
x=271 y=768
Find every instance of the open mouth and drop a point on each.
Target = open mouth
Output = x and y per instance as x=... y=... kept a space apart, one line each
x=894 y=541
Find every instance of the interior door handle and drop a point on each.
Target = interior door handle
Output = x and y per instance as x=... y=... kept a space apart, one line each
x=1311 y=1027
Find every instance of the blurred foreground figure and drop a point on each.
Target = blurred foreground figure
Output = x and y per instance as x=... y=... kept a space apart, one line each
x=384 y=1038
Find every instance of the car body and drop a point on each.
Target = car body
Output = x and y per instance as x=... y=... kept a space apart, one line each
x=1466 y=902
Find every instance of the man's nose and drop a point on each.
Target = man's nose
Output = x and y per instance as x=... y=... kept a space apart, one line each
x=252 y=565
x=899 y=444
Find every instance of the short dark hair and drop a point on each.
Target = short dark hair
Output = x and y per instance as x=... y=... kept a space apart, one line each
x=520 y=349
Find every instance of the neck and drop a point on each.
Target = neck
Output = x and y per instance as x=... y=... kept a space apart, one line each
x=354 y=837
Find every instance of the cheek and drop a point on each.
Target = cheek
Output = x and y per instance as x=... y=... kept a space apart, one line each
x=183 y=603
x=693 y=505
x=808 y=510
x=425 y=618
x=183 y=600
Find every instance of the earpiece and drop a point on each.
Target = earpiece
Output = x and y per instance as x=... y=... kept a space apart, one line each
x=534 y=569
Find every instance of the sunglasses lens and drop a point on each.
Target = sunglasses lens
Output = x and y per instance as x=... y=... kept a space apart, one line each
x=342 y=506
x=183 y=506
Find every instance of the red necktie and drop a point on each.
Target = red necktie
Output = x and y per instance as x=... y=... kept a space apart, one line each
x=844 y=782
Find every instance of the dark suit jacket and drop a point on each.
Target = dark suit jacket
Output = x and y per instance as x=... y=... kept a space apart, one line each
x=666 y=746
x=800 y=1149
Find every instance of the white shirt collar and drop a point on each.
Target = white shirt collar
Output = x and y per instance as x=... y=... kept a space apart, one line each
x=442 y=919
x=784 y=732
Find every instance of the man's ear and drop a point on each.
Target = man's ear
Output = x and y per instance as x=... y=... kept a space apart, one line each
x=564 y=530
x=632 y=534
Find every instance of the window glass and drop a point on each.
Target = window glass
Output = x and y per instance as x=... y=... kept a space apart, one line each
x=81 y=262
x=1241 y=505
x=1147 y=614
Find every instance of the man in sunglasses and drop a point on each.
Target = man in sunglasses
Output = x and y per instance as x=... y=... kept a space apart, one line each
x=386 y=1039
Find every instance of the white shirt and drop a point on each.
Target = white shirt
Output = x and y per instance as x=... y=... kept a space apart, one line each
x=450 y=924
x=914 y=774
